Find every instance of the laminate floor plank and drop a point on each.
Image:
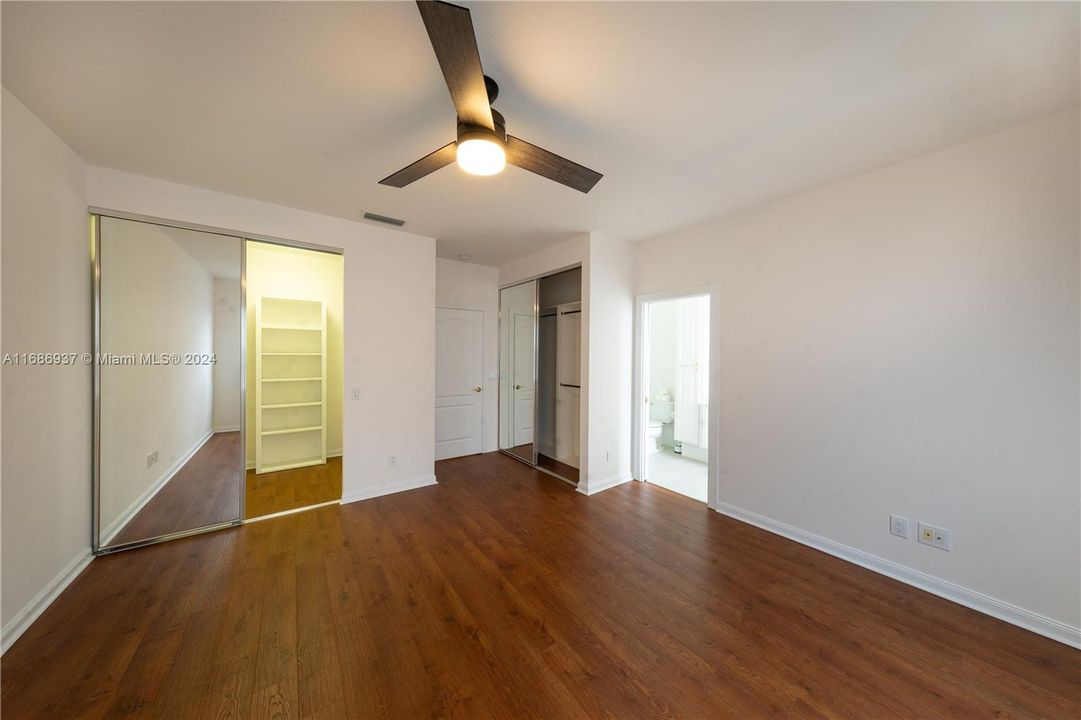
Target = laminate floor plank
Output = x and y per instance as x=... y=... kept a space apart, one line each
x=273 y=492
x=502 y=593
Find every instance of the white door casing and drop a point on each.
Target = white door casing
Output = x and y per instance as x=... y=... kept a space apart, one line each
x=459 y=372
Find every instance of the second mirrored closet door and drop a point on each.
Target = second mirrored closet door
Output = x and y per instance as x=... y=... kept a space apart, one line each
x=540 y=349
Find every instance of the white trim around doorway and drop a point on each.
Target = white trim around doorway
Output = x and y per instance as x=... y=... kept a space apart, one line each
x=639 y=457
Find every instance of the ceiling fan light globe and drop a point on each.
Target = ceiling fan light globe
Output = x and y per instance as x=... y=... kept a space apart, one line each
x=481 y=156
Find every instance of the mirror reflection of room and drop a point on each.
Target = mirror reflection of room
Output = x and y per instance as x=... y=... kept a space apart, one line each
x=679 y=395
x=517 y=359
x=295 y=378
x=170 y=397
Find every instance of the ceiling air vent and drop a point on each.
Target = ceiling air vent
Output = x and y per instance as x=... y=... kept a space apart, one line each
x=384 y=219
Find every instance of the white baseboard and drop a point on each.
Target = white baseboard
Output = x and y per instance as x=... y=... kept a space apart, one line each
x=986 y=604
x=125 y=517
x=227 y=428
x=592 y=488
x=388 y=488
x=26 y=617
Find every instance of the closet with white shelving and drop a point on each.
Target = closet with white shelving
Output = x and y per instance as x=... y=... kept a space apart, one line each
x=290 y=383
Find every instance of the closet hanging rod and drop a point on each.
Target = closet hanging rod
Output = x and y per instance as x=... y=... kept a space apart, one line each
x=570 y=312
x=547 y=315
x=570 y=386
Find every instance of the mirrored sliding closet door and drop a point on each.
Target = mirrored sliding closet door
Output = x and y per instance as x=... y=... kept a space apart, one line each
x=540 y=372
x=169 y=393
x=517 y=369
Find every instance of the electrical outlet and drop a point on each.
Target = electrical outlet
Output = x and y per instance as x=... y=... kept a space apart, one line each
x=934 y=536
x=356 y=393
x=151 y=458
x=608 y=456
x=898 y=526
x=392 y=460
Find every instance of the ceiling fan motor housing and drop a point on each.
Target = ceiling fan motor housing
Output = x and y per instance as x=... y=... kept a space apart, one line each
x=467 y=131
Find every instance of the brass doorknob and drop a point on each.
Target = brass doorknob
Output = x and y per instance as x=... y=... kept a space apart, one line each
x=476 y=389
x=517 y=387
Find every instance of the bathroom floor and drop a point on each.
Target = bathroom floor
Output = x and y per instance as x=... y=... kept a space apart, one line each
x=678 y=474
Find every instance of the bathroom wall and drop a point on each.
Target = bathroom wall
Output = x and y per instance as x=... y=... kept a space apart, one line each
x=664 y=339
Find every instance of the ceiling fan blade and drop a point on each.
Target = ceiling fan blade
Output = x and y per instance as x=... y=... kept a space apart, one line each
x=425 y=166
x=450 y=29
x=547 y=164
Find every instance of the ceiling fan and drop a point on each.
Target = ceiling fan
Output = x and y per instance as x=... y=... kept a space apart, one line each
x=483 y=146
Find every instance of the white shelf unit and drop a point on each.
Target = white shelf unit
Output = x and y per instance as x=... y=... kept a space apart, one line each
x=290 y=383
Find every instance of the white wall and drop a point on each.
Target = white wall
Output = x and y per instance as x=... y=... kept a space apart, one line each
x=286 y=272
x=907 y=341
x=46 y=439
x=155 y=298
x=611 y=356
x=466 y=286
x=664 y=344
x=389 y=321
x=570 y=252
x=227 y=354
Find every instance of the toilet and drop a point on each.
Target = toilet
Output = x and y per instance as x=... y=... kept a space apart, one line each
x=661 y=412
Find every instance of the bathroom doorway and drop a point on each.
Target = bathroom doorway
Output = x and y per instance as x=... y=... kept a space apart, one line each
x=673 y=426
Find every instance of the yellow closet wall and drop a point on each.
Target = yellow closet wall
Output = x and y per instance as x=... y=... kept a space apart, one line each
x=277 y=271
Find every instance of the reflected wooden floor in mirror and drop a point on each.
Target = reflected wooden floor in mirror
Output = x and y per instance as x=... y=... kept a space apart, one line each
x=205 y=491
x=274 y=492
x=565 y=471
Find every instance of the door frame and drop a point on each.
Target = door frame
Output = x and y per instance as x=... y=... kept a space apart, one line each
x=640 y=415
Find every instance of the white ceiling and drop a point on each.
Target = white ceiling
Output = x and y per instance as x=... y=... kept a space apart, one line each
x=221 y=259
x=691 y=110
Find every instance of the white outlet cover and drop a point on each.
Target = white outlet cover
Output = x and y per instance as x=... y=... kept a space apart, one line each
x=899 y=526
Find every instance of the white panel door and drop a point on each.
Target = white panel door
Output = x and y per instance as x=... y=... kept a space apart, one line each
x=459 y=349
x=522 y=359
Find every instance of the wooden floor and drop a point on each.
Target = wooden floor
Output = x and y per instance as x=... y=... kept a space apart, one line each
x=205 y=491
x=503 y=593
x=273 y=492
